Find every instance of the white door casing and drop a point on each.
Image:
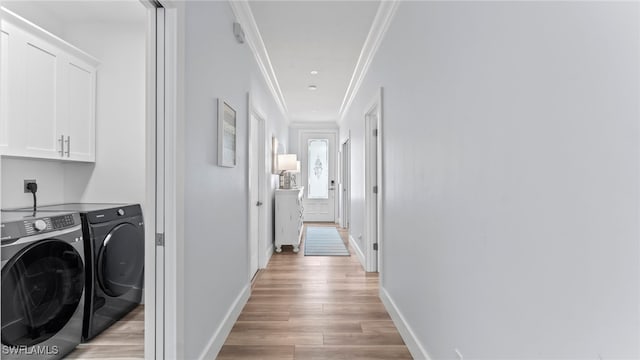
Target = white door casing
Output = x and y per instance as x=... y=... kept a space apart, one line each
x=319 y=203
x=373 y=184
x=163 y=259
x=345 y=216
x=256 y=187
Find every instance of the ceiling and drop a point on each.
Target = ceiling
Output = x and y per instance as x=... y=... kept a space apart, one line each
x=300 y=36
x=303 y=36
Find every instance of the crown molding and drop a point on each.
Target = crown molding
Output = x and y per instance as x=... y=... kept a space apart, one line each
x=242 y=11
x=379 y=27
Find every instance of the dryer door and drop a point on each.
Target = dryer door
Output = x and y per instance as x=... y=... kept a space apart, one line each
x=42 y=287
x=121 y=260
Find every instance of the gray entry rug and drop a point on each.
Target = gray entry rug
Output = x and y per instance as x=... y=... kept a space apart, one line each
x=324 y=241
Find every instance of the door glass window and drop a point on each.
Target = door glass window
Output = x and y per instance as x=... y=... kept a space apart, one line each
x=41 y=289
x=120 y=266
x=318 y=169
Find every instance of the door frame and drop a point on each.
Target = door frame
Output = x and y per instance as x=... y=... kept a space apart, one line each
x=164 y=331
x=373 y=171
x=255 y=119
x=302 y=147
x=345 y=183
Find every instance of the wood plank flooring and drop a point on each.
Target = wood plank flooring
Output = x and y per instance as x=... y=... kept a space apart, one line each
x=124 y=340
x=314 y=307
x=301 y=307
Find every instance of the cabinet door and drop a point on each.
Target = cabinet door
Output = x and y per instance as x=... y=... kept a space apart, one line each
x=80 y=113
x=4 y=91
x=41 y=115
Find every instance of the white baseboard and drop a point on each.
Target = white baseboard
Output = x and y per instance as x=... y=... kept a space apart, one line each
x=359 y=252
x=413 y=344
x=267 y=256
x=215 y=344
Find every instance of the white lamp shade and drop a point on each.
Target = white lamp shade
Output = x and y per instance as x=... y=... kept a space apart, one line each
x=287 y=162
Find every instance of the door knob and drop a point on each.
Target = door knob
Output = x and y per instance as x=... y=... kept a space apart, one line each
x=259 y=203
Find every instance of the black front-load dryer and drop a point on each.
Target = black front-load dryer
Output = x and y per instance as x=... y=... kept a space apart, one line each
x=114 y=249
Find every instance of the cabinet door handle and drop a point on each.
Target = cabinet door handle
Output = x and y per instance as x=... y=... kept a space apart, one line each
x=68 y=141
x=61 y=141
x=258 y=203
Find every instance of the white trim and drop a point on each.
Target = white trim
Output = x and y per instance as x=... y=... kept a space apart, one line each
x=220 y=335
x=28 y=26
x=410 y=339
x=357 y=249
x=260 y=171
x=244 y=16
x=172 y=312
x=381 y=23
x=150 y=187
x=380 y=177
x=267 y=256
x=371 y=179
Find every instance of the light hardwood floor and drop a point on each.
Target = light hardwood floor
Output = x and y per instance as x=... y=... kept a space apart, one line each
x=314 y=307
x=301 y=307
x=123 y=340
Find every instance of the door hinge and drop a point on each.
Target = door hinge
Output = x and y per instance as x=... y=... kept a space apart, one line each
x=375 y=246
x=375 y=132
x=159 y=239
x=375 y=189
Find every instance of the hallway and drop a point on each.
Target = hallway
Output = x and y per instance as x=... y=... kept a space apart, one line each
x=305 y=307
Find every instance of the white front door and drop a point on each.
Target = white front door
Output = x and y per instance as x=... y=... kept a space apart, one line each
x=317 y=170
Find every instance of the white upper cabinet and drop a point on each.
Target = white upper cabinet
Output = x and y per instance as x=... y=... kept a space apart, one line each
x=39 y=110
x=50 y=88
x=5 y=104
x=80 y=133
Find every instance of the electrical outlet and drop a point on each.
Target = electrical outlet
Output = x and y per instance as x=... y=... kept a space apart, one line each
x=460 y=357
x=26 y=191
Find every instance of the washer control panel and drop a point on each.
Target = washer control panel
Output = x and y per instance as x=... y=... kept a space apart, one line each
x=61 y=222
x=16 y=225
x=32 y=227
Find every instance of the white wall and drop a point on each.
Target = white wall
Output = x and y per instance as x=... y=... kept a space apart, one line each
x=48 y=174
x=215 y=198
x=511 y=185
x=118 y=174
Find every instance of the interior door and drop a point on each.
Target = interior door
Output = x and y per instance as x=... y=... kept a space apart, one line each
x=346 y=184
x=318 y=175
x=255 y=202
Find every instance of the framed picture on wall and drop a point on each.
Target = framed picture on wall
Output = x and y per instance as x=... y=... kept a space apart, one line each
x=226 y=134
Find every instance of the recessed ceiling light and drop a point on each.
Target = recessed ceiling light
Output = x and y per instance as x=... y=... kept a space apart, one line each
x=314 y=72
x=313 y=87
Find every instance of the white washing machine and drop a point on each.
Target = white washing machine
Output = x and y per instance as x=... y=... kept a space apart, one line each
x=43 y=281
